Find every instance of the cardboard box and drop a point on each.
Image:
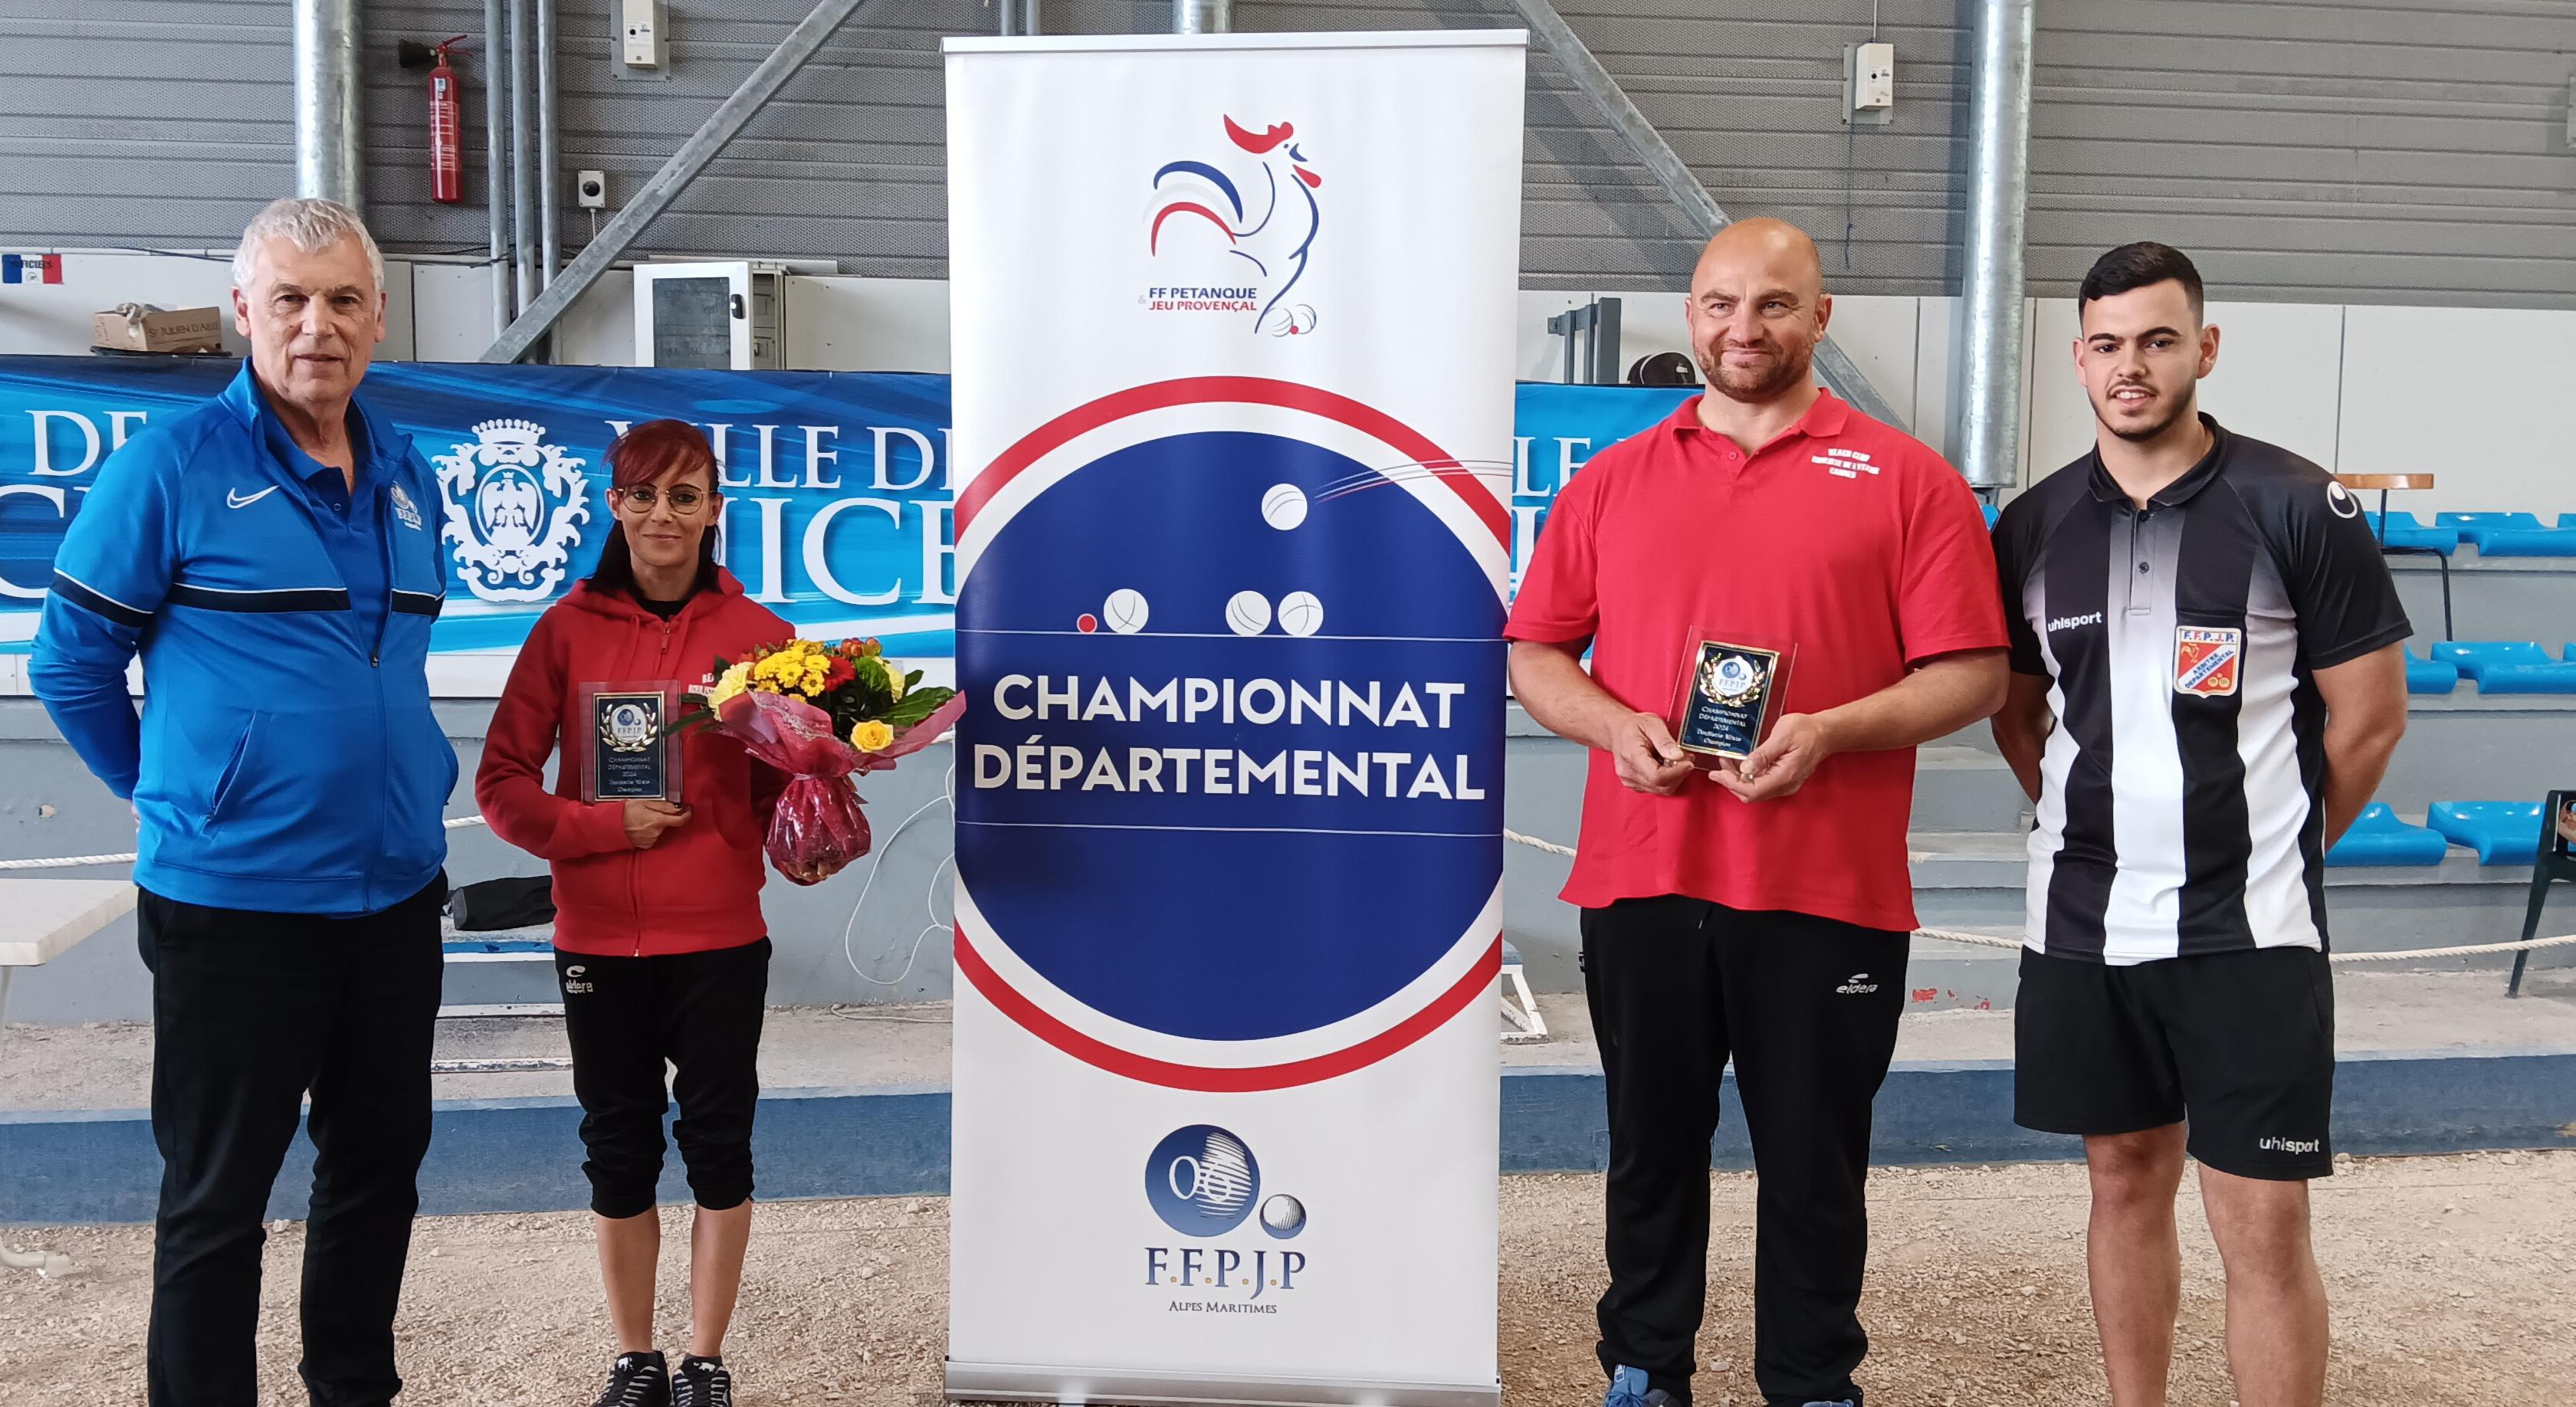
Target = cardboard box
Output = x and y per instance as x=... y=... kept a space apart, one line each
x=175 y=331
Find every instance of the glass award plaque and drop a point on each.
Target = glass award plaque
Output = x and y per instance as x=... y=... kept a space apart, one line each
x=633 y=755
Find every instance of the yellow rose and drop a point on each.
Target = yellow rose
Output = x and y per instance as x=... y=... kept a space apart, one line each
x=871 y=736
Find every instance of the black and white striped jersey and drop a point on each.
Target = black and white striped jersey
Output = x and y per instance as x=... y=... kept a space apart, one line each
x=2179 y=807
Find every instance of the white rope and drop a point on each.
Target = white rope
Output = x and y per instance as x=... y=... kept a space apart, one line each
x=1945 y=935
x=1988 y=940
x=65 y=862
x=1534 y=843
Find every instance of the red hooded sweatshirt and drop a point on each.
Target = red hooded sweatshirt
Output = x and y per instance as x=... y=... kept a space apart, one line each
x=699 y=886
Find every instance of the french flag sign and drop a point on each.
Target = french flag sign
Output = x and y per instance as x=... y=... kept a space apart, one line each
x=1232 y=322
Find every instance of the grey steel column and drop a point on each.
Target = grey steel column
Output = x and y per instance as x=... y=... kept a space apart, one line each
x=523 y=200
x=496 y=159
x=1987 y=442
x=549 y=145
x=1202 y=16
x=326 y=100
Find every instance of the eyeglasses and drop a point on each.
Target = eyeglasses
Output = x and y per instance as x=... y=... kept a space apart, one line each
x=684 y=500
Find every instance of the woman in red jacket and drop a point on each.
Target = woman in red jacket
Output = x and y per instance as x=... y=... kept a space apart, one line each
x=659 y=942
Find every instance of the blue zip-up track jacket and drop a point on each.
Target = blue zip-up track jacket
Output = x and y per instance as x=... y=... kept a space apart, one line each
x=282 y=763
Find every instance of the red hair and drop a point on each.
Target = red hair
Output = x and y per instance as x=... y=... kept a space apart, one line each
x=643 y=455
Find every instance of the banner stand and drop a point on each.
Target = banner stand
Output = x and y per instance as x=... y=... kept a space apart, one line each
x=982 y=1382
x=1231 y=322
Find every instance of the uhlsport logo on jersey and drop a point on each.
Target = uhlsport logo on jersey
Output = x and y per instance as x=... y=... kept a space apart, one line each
x=1228 y=804
x=514 y=507
x=2206 y=660
x=1205 y=1184
x=1245 y=239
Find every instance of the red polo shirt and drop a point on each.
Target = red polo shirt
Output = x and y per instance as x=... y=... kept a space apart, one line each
x=1844 y=538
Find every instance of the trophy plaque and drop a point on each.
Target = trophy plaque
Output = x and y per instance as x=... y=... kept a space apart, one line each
x=1729 y=696
x=633 y=756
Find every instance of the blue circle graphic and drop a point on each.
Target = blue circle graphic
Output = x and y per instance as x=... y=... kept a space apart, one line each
x=1290 y=904
x=1202 y=1180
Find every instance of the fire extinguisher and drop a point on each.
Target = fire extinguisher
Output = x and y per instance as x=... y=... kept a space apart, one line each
x=446 y=128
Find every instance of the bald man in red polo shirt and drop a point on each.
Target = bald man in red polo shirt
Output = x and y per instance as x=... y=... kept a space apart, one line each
x=1755 y=910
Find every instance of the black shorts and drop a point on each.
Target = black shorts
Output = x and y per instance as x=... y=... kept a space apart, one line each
x=2241 y=1044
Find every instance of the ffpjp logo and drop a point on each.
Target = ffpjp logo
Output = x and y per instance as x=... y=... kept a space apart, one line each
x=1204 y=1182
x=1267 y=227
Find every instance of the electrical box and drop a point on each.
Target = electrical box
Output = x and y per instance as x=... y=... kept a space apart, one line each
x=590 y=188
x=1869 y=82
x=640 y=41
x=711 y=316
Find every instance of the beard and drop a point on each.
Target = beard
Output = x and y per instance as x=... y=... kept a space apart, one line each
x=2187 y=407
x=1755 y=385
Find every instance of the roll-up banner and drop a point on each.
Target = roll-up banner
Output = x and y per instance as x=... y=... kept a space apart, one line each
x=1232 y=328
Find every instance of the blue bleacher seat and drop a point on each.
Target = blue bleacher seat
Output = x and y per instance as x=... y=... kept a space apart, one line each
x=2405 y=532
x=2485 y=522
x=2567 y=520
x=2541 y=542
x=2508 y=666
x=2377 y=837
x=2502 y=832
x=2511 y=534
x=2431 y=676
x=1992 y=513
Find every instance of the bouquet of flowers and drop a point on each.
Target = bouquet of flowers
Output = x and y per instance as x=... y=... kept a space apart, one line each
x=822 y=714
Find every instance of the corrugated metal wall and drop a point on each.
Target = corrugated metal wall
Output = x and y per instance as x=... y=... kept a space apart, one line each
x=2366 y=151
x=2404 y=151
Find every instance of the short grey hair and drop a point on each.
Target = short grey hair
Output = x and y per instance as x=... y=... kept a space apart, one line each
x=312 y=225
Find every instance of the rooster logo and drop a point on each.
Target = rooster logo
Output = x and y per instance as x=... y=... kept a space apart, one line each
x=1272 y=231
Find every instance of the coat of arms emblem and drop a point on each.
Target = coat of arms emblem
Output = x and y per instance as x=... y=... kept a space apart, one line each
x=514 y=507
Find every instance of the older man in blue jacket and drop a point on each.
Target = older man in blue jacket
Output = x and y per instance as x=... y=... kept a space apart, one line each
x=271 y=556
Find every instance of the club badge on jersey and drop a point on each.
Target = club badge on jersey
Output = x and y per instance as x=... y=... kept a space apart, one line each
x=2206 y=660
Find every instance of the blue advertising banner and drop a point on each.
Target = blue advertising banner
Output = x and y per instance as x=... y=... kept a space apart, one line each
x=838 y=484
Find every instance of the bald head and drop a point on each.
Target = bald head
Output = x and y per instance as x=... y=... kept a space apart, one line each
x=1763 y=248
x=1757 y=309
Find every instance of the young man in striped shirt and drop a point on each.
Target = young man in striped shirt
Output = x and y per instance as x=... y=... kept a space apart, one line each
x=2208 y=625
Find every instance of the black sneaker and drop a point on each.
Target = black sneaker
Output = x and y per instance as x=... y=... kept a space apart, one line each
x=637 y=1380
x=701 y=1382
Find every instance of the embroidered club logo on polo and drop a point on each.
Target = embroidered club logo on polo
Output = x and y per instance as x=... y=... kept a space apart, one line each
x=2206 y=660
x=1844 y=463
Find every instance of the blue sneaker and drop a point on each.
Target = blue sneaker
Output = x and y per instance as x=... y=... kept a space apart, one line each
x=1628 y=1389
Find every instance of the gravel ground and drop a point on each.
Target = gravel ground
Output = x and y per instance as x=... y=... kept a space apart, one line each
x=2451 y=1279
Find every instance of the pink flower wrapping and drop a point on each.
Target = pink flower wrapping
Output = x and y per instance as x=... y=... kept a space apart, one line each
x=818 y=822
